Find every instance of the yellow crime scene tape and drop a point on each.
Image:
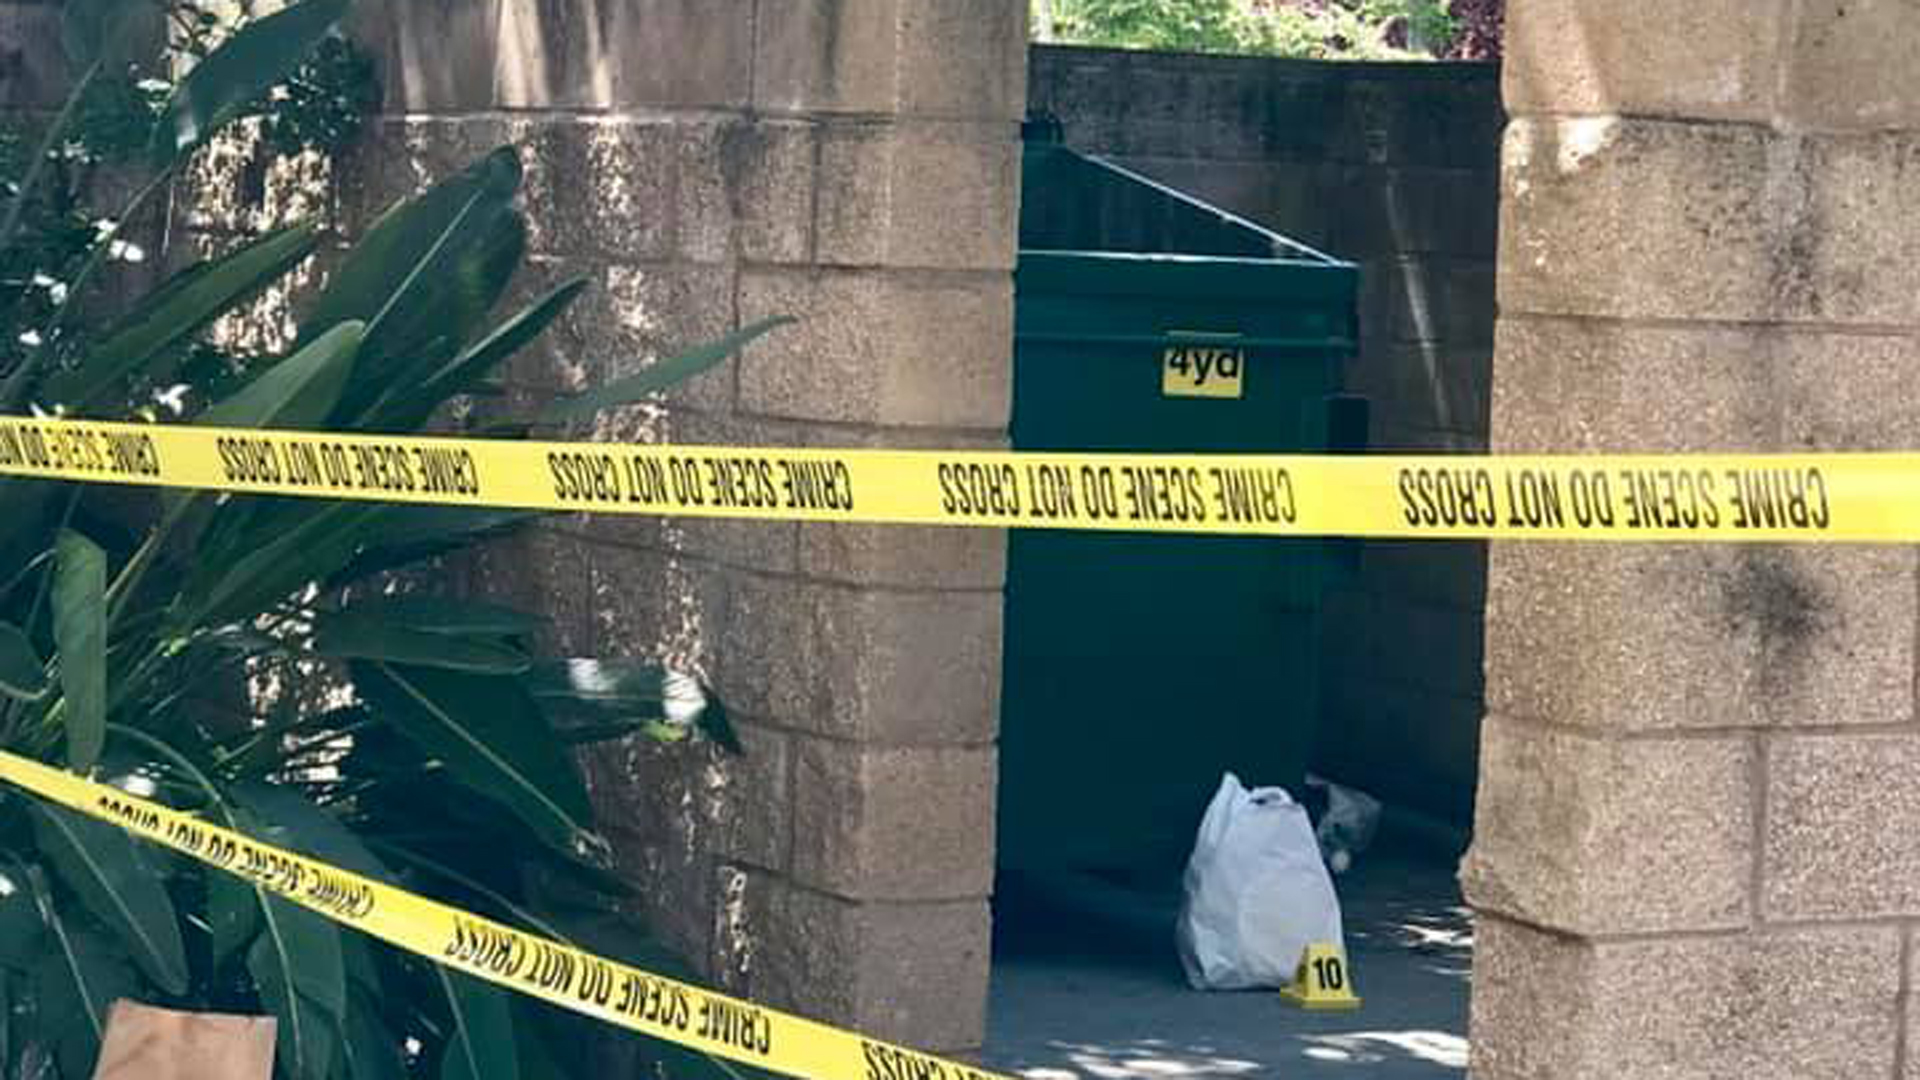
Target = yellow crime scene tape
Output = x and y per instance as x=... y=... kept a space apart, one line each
x=1851 y=497
x=1857 y=497
x=540 y=967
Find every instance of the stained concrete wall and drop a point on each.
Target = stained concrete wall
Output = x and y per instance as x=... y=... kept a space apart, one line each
x=1696 y=851
x=1394 y=167
x=707 y=164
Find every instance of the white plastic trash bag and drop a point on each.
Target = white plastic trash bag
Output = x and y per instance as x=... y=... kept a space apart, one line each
x=1257 y=893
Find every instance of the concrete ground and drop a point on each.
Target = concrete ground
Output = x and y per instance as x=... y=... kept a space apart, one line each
x=1091 y=987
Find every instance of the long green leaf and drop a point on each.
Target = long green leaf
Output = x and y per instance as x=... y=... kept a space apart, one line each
x=409 y=405
x=659 y=376
x=412 y=534
x=372 y=1050
x=491 y=737
x=446 y=615
x=172 y=314
x=22 y=675
x=104 y=868
x=301 y=970
x=296 y=392
x=309 y=550
x=508 y=338
x=20 y=925
x=233 y=915
x=291 y=820
x=226 y=83
x=74 y=985
x=400 y=239
x=297 y=964
x=80 y=632
x=350 y=635
x=482 y=1045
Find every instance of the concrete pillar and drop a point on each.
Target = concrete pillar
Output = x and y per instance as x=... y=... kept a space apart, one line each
x=1696 y=852
x=709 y=163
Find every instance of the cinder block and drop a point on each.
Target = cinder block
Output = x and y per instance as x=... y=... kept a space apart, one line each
x=540 y=570
x=629 y=318
x=1780 y=1005
x=398 y=157
x=1846 y=259
x=1426 y=300
x=1849 y=67
x=923 y=974
x=33 y=65
x=1600 y=836
x=876 y=823
x=605 y=188
x=1639 y=218
x=1568 y=386
x=747 y=191
x=694 y=797
x=931 y=58
x=1438 y=117
x=237 y=185
x=1716 y=59
x=881 y=348
x=677 y=901
x=884 y=668
x=762 y=546
x=964 y=58
x=434 y=56
x=617 y=54
x=919 y=195
x=1646 y=637
x=1841 y=839
x=918 y=557
x=827 y=56
x=1406 y=211
x=914 y=973
x=650 y=605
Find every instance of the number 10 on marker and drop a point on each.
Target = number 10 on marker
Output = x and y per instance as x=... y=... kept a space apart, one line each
x=1322 y=980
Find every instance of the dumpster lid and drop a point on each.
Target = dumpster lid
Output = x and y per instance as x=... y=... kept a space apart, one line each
x=1074 y=203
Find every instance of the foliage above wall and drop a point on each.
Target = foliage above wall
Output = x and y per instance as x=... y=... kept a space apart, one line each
x=1304 y=29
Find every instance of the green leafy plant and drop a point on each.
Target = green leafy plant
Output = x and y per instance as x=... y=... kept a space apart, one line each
x=1304 y=29
x=277 y=665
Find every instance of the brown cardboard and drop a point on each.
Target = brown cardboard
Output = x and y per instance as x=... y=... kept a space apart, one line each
x=145 y=1043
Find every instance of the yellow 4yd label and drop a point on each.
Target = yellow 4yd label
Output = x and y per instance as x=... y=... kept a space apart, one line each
x=1203 y=371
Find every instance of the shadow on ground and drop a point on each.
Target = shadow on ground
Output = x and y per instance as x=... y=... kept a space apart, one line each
x=1086 y=984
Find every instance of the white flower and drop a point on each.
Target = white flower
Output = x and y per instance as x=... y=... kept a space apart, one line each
x=56 y=290
x=173 y=398
x=154 y=86
x=126 y=251
x=31 y=339
x=104 y=227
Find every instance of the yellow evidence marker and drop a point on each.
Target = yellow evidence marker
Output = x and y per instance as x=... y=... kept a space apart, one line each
x=1322 y=982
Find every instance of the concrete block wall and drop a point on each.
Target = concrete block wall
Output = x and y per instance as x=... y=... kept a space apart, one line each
x=1394 y=167
x=1695 y=852
x=707 y=163
x=33 y=68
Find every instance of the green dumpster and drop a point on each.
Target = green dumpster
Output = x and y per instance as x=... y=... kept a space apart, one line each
x=1140 y=668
